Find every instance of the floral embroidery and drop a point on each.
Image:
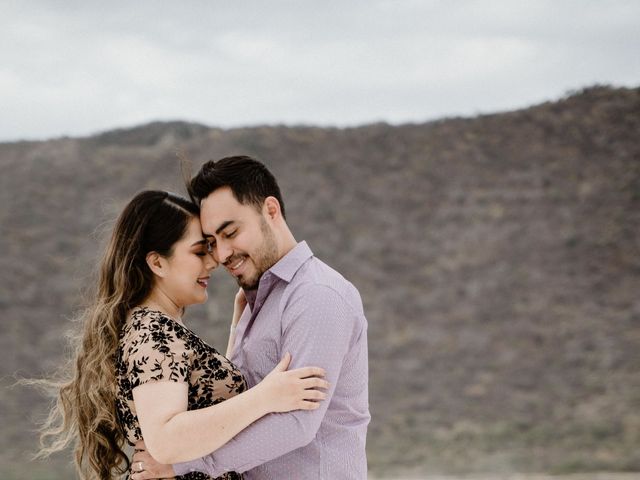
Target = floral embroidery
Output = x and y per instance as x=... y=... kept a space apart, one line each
x=154 y=347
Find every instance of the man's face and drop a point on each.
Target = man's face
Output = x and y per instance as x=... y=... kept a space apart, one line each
x=241 y=239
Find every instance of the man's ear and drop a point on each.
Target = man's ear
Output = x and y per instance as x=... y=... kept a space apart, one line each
x=272 y=207
x=156 y=264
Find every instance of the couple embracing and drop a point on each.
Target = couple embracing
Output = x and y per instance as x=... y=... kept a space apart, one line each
x=289 y=400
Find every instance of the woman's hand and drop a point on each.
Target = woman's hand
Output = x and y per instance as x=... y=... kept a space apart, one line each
x=283 y=391
x=238 y=307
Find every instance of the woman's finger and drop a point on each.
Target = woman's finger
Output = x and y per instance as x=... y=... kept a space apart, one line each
x=305 y=372
x=306 y=405
x=315 y=382
x=140 y=456
x=141 y=476
x=314 y=395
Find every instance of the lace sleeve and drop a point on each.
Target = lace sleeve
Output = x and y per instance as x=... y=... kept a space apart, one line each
x=158 y=351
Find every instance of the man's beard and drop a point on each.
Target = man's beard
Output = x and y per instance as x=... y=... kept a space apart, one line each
x=263 y=259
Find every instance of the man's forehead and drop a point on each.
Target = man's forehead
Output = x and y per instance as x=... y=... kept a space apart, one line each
x=215 y=216
x=222 y=197
x=212 y=224
x=216 y=206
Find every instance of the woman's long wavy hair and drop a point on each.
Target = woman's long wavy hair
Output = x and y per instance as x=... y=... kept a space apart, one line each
x=85 y=410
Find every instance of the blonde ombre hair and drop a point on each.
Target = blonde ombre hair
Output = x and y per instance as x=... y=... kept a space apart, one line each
x=85 y=413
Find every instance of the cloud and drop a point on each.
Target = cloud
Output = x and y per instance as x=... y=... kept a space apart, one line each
x=80 y=67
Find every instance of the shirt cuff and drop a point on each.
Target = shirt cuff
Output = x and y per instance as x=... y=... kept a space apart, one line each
x=192 y=466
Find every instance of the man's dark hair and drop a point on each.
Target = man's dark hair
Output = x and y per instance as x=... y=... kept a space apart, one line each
x=250 y=181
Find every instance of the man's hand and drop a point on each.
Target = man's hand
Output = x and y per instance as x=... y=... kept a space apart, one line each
x=144 y=467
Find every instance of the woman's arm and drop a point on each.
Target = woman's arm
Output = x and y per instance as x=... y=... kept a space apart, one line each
x=172 y=434
x=239 y=304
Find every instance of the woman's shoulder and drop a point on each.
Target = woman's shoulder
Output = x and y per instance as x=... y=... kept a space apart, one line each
x=152 y=336
x=144 y=318
x=153 y=347
x=144 y=325
x=145 y=315
x=157 y=326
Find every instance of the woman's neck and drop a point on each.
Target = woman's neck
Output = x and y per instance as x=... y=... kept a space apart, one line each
x=158 y=300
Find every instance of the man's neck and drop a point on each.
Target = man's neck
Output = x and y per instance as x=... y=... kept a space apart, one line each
x=287 y=243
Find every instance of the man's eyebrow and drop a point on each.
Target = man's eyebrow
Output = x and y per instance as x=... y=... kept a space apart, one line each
x=224 y=225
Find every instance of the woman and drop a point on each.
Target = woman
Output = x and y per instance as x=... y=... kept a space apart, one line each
x=140 y=372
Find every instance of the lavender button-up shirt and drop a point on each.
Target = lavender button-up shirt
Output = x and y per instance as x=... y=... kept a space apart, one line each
x=304 y=307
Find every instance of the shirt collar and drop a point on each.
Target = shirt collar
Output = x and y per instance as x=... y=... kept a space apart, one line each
x=287 y=266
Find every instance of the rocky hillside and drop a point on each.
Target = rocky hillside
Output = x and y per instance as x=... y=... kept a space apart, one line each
x=498 y=258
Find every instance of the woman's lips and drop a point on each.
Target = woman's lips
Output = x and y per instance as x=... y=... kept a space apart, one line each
x=203 y=281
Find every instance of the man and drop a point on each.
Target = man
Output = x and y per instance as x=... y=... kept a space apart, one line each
x=296 y=304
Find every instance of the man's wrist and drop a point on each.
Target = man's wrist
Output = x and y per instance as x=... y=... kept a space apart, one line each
x=184 y=468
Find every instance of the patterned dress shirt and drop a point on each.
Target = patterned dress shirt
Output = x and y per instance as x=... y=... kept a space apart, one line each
x=304 y=307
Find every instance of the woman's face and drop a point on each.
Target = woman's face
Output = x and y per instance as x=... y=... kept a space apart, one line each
x=188 y=268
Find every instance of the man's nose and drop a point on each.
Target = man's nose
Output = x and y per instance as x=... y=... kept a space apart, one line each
x=223 y=252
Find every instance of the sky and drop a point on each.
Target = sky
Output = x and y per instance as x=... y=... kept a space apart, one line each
x=75 y=68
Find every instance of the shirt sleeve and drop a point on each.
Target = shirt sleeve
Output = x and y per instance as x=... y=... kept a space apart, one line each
x=319 y=327
x=157 y=352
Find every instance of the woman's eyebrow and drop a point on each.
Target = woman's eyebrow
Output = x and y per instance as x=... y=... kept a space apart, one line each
x=199 y=242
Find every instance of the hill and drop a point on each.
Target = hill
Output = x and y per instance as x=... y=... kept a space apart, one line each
x=497 y=256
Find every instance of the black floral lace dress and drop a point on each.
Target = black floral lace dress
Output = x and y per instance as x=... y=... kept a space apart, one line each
x=153 y=347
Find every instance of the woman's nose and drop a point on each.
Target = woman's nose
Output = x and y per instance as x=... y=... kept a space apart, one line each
x=210 y=262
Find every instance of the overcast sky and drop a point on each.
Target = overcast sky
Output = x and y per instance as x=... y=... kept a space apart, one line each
x=79 y=67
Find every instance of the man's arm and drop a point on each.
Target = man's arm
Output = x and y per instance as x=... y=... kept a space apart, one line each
x=318 y=328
